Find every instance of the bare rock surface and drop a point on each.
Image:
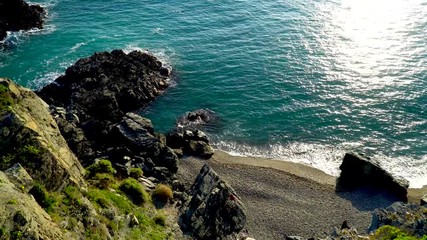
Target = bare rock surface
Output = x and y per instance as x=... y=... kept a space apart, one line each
x=410 y=217
x=213 y=209
x=30 y=137
x=22 y=216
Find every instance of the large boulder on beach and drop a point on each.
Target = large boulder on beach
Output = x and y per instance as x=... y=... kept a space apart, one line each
x=17 y=15
x=97 y=92
x=213 y=210
x=190 y=142
x=407 y=216
x=138 y=133
x=30 y=137
x=358 y=172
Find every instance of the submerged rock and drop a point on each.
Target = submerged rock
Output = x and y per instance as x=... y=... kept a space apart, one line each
x=17 y=15
x=190 y=142
x=213 y=209
x=30 y=137
x=197 y=118
x=97 y=92
x=360 y=172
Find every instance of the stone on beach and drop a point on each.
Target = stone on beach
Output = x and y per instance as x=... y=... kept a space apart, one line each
x=361 y=172
x=213 y=209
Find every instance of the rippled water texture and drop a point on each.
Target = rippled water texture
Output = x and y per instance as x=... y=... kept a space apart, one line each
x=298 y=80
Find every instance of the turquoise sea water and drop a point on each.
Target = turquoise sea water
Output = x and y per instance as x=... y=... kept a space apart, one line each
x=297 y=80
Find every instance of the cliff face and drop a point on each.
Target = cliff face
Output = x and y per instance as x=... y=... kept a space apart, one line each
x=30 y=136
x=21 y=217
x=17 y=15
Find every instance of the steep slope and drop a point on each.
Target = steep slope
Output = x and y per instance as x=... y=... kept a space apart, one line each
x=30 y=136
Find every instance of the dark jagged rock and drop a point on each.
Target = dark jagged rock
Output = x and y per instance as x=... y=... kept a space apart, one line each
x=138 y=133
x=17 y=15
x=197 y=118
x=200 y=149
x=97 y=92
x=359 y=172
x=190 y=142
x=213 y=209
x=423 y=200
x=410 y=217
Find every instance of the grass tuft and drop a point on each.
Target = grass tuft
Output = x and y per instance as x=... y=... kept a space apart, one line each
x=162 y=193
x=102 y=166
x=134 y=191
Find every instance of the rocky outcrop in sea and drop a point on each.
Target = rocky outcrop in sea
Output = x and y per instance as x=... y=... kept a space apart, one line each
x=18 y=15
x=97 y=92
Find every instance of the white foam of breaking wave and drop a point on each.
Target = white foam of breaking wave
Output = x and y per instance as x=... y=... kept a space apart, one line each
x=44 y=80
x=164 y=55
x=16 y=37
x=77 y=46
x=328 y=158
x=45 y=4
x=159 y=31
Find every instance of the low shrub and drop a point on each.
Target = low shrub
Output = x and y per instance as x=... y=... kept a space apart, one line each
x=162 y=193
x=102 y=166
x=12 y=201
x=43 y=198
x=135 y=173
x=103 y=180
x=15 y=234
x=387 y=232
x=73 y=196
x=5 y=98
x=98 y=197
x=134 y=191
x=160 y=220
x=29 y=153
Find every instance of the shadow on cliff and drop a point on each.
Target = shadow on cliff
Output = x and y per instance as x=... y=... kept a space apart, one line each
x=368 y=199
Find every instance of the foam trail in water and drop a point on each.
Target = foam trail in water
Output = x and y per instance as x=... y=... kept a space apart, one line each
x=164 y=55
x=328 y=158
x=79 y=45
x=44 y=80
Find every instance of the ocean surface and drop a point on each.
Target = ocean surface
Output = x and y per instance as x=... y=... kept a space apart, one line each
x=297 y=80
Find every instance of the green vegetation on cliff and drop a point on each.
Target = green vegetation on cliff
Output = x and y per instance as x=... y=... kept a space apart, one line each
x=387 y=232
x=111 y=207
x=28 y=153
x=5 y=98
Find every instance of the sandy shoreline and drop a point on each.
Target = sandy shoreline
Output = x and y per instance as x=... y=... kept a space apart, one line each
x=286 y=198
